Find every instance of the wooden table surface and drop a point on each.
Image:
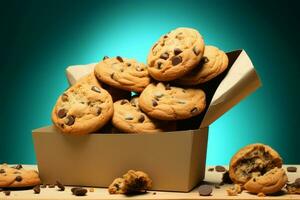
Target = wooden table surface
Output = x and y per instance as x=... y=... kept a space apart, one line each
x=102 y=193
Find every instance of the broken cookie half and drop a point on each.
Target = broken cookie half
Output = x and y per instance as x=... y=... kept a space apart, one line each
x=252 y=161
x=131 y=183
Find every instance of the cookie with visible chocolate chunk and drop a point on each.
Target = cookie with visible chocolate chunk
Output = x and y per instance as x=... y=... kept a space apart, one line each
x=165 y=102
x=252 y=161
x=271 y=182
x=213 y=63
x=132 y=182
x=83 y=108
x=129 y=118
x=16 y=177
x=123 y=73
x=175 y=54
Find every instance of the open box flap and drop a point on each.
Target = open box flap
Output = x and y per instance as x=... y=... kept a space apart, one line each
x=240 y=81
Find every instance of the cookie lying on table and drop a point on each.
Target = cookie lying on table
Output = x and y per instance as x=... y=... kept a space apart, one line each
x=18 y=177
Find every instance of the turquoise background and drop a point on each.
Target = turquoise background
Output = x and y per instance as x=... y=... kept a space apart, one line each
x=39 y=39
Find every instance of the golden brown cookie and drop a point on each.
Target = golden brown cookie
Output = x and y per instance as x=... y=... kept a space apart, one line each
x=213 y=63
x=123 y=73
x=268 y=183
x=252 y=161
x=175 y=54
x=83 y=108
x=117 y=186
x=165 y=102
x=129 y=118
x=15 y=177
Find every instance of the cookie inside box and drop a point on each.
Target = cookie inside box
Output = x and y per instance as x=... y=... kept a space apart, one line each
x=175 y=161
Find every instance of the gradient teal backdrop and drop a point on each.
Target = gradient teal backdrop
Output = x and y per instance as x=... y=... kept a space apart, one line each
x=39 y=39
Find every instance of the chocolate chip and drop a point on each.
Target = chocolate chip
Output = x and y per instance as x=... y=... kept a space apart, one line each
x=78 y=191
x=99 y=110
x=123 y=102
x=217 y=186
x=105 y=57
x=2 y=171
x=128 y=117
x=154 y=193
x=164 y=56
x=60 y=186
x=18 y=166
x=119 y=58
x=37 y=189
x=196 y=51
x=70 y=120
x=167 y=86
x=112 y=75
x=62 y=113
x=19 y=178
x=64 y=97
x=141 y=118
x=154 y=103
x=194 y=110
x=96 y=89
x=291 y=169
x=205 y=190
x=159 y=64
x=128 y=64
x=181 y=102
x=204 y=60
x=176 y=60
x=165 y=36
x=211 y=169
x=6 y=192
x=220 y=168
x=51 y=186
x=177 y=51
x=139 y=69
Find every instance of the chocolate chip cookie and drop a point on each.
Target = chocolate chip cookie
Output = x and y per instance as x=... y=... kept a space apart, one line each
x=252 y=161
x=213 y=63
x=129 y=118
x=123 y=73
x=161 y=101
x=175 y=54
x=271 y=182
x=83 y=108
x=132 y=182
x=15 y=177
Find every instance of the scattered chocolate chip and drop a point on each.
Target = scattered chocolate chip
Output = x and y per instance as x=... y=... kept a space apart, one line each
x=64 y=97
x=211 y=169
x=196 y=51
x=96 y=89
x=119 y=58
x=78 y=191
x=37 y=189
x=128 y=64
x=60 y=186
x=6 y=192
x=205 y=190
x=141 y=118
x=164 y=56
x=291 y=169
x=217 y=186
x=18 y=166
x=177 y=51
x=226 y=178
x=112 y=75
x=51 y=186
x=139 y=69
x=18 y=178
x=194 y=110
x=62 y=113
x=105 y=57
x=70 y=120
x=123 y=102
x=167 y=86
x=176 y=60
x=220 y=168
x=159 y=65
x=154 y=103
x=2 y=171
x=99 y=110
x=204 y=60
x=165 y=36
x=43 y=186
x=183 y=90
x=154 y=193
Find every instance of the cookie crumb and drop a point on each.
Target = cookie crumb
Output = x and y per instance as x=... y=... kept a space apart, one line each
x=91 y=190
x=234 y=191
x=37 y=189
x=261 y=194
x=154 y=193
x=6 y=192
x=60 y=186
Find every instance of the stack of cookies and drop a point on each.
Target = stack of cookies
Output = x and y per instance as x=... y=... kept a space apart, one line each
x=167 y=89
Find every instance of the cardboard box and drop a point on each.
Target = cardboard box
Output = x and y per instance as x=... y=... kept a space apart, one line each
x=174 y=160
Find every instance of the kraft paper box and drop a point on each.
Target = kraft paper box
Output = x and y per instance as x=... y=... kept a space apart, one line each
x=174 y=160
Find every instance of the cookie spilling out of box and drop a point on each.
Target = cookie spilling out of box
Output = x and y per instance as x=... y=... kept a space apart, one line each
x=120 y=114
